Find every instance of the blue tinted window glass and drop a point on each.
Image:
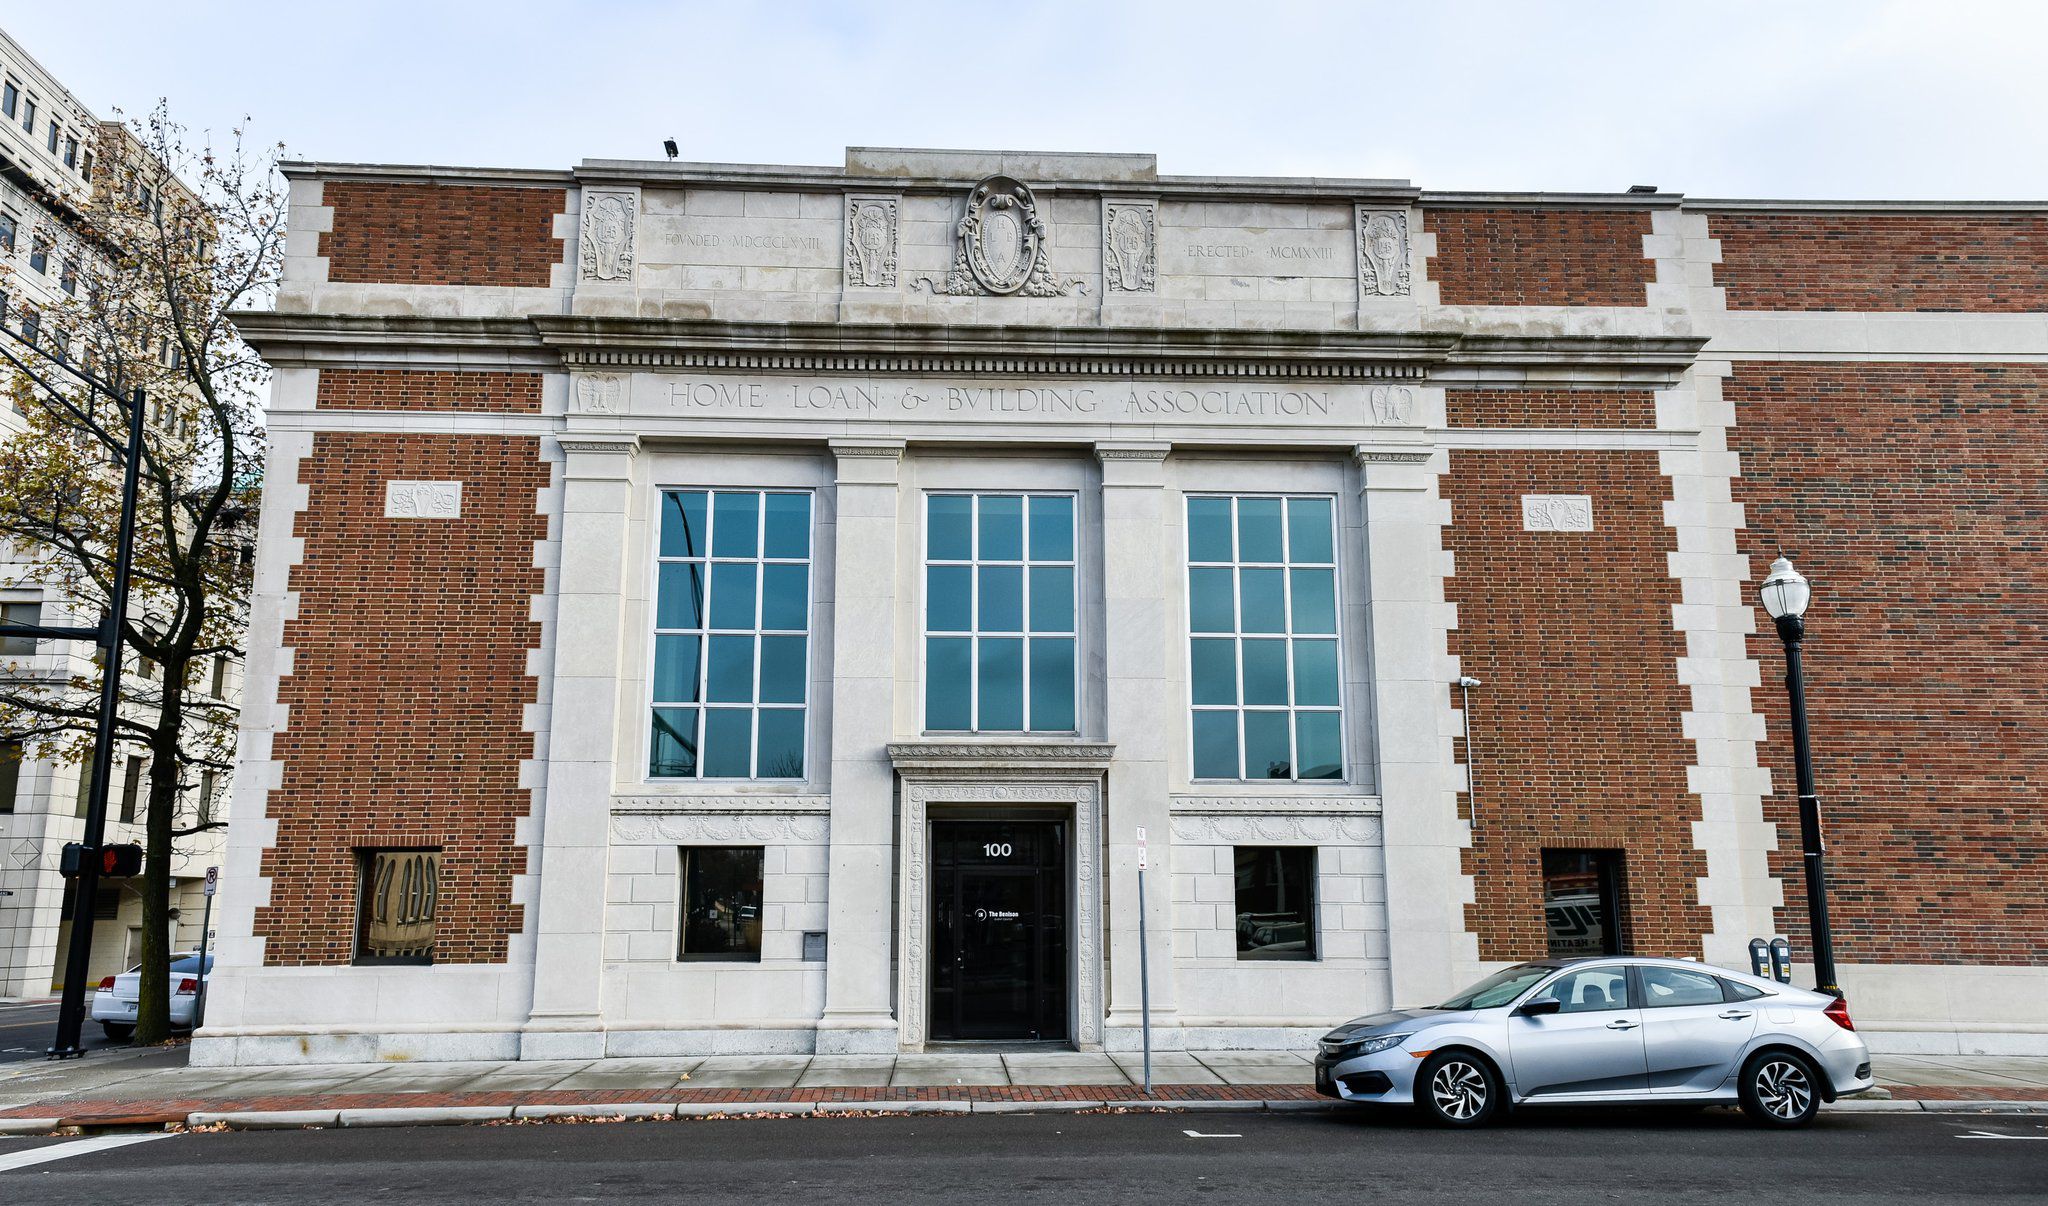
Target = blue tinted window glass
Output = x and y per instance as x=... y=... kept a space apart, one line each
x=786 y=529
x=785 y=596
x=1266 y=755
x=1265 y=672
x=1052 y=684
x=1209 y=600
x=1315 y=673
x=680 y=595
x=782 y=744
x=1315 y=600
x=1216 y=745
x=674 y=749
x=1258 y=529
x=948 y=683
x=1321 y=751
x=737 y=520
x=1213 y=667
x=949 y=529
x=730 y=678
x=1308 y=530
x=728 y=743
x=1261 y=600
x=1052 y=598
x=1002 y=528
x=682 y=524
x=1052 y=528
x=949 y=598
x=1000 y=661
x=783 y=668
x=675 y=668
x=1209 y=529
x=732 y=594
x=1001 y=602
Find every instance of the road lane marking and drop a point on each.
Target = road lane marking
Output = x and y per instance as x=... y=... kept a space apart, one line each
x=75 y=1147
x=1200 y=1135
x=1994 y=1135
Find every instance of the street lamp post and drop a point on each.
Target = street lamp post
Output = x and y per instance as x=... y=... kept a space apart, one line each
x=1786 y=593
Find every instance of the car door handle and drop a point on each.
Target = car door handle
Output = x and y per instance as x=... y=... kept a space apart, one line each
x=1621 y=1024
x=1736 y=1015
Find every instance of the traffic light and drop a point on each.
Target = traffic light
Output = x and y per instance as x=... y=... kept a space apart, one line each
x=116 y=862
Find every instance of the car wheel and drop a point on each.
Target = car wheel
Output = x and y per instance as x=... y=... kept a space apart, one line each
x=120 y=1032
x=1457 y=1088
x=1780 y=1089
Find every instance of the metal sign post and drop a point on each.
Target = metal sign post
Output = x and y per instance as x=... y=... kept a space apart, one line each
x=1144 y=968
x=205 y=932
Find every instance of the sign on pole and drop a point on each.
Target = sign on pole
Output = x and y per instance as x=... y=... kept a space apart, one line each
x=212 y=879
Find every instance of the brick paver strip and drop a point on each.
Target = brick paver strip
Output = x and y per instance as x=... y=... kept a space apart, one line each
x=108 y=1111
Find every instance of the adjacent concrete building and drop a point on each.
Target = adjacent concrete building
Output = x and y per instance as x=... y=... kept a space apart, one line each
x=713 y=607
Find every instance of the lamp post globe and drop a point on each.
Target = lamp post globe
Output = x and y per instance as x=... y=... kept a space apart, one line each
x=1786 y=594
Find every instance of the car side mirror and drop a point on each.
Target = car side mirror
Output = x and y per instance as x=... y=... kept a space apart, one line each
x=1538 y=1006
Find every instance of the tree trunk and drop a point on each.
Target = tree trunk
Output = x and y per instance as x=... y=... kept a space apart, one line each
x=153 y=1011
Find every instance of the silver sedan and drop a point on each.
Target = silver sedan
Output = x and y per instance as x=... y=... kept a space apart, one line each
x=1603 y=1030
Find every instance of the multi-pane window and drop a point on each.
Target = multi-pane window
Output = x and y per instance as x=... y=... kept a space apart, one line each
x=731 y=634
x=398 y=897
x=721 y=919
x=999 y=613
x=1264 y=671
x=1276 y=902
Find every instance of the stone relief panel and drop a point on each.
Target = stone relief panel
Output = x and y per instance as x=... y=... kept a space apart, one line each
x=610 y=221
x=871 y=231
x=1320 y=830
x=1557 y=513
x=600 y=394
x=999 y=247
x=422 y=500
x=1382 y=252
x=1130 y=246
x=686 y=828
x=1391 y=405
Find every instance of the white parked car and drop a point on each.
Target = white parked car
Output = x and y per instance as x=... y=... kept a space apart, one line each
x=113 y=1006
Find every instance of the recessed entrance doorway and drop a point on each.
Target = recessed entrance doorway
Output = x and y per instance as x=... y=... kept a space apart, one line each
x=999 y=925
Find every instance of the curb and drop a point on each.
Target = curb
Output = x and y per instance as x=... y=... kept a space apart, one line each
x=424 y=1115
x=1036 y=1107
x=265 y=1120
x=742 y=1109
x=28 y=1126
x=634 y=1111
x=894 y=1107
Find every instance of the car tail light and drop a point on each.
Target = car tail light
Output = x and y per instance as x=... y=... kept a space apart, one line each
x=189 y=986
x=1838 y=1013
x=107 y=985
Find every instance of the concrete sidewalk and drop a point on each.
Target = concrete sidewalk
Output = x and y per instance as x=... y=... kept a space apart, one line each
x=155 y=1088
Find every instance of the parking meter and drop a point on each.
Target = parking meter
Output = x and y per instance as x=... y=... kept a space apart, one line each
x=1781 y=961
x=1759 y=957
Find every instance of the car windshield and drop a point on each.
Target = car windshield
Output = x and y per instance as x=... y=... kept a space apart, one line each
x=1499 y=988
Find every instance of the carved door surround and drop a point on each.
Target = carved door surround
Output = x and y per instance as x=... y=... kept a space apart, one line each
x=1065 y=777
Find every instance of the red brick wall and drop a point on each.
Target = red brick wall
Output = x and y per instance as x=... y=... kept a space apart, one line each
x=441 y=234
x=1883 y=262
x=1540 y=257
x=408 y=679
x=410 y=389
x=1577 y=728
x=1552 y=408
x=1916 y=498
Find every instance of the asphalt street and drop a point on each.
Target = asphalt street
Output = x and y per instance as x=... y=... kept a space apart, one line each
x=27 y=1030
x=1572 y=1158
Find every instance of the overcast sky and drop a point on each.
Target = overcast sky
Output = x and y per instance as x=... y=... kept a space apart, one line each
x=1937 y=98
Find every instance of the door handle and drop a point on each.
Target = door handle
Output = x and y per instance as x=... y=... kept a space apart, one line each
x=1735 y=1015
x=1621 y=1024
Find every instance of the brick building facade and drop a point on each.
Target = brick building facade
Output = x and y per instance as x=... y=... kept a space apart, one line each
x=716 y=607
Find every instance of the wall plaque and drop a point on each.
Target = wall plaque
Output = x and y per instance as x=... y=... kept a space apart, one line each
x=1557 y=513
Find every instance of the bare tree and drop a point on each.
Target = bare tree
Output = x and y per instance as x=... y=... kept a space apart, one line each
x=175 y=237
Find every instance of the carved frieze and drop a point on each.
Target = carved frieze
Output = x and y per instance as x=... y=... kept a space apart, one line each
x=1210 y=830
x=1382 y=252
x=999 y=247
x=422 y=500
x=1130 y=246
x=609 y=222
x=683 y=828
x=1557 y=513
x=871 y=233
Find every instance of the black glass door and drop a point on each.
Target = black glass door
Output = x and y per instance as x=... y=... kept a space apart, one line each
x=999 y=930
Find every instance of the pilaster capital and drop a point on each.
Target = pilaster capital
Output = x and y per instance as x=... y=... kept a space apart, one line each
x=869 y=461
x=1140 y=463
x=1394 y=464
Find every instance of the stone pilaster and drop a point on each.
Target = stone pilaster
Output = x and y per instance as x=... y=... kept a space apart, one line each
x=857 y=1015
x=565 y=1021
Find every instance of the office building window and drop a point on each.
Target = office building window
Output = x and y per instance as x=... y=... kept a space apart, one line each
x=131 y=789
x=31 y=325
x=55 y=132
x=1276 y=902
x=1264 y=671
x=67 y=277
x=85 y=167
x=39 y=254
x=731 y=635
x=19 y=613
x=1582 y=902
x=999 y=613
x=28 y=115
x=721 y=914
x=218 y=685
x=9 y=224
x=10 y=773
x=10 y=98
x=70 y=152
x=397 y=898
x=204 y=805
